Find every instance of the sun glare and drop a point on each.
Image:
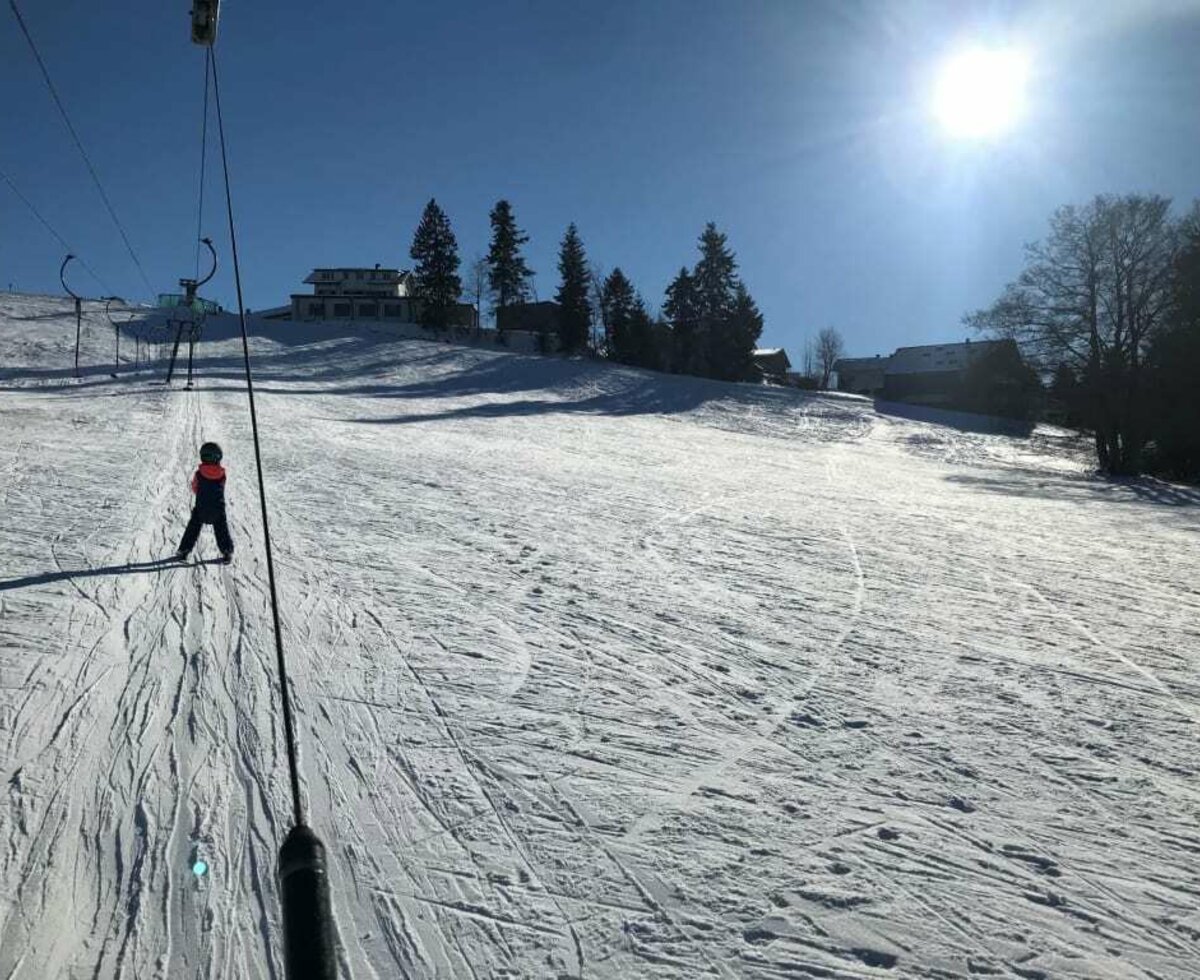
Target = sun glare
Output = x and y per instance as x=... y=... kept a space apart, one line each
x=980 y=92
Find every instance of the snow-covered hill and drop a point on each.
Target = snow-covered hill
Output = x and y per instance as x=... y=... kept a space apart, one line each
x=600 y=674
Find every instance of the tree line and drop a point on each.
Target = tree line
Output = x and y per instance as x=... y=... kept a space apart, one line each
x=709 y=325
x=1108 y=308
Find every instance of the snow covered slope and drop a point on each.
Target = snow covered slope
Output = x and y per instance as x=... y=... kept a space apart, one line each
x=600 y=674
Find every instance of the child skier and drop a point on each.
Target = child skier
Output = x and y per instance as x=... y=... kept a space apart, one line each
x=208 y=484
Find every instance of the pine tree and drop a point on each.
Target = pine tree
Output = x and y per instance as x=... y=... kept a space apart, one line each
x=740 y=337
x=633 y=336
x=575 y=317
x=715 y=275
x=682 y=310
x=435 y=277
x=643 y=341
x=508 y=275
x=619 y=301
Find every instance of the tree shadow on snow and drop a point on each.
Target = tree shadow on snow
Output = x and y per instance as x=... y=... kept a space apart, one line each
x=1084 y=489
x=962 y=421
x=570 y=388
x=160 y=565
x=328 y=360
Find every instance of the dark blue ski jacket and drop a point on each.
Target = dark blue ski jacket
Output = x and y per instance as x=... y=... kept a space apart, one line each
x=208 y=484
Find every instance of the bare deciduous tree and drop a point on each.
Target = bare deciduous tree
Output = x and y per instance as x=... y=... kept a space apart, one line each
x=477 y=286
x=829 y=351
x=599 y=339
x=1092 y=296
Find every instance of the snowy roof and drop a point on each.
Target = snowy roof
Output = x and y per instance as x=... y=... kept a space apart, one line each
x=938 y=357
x=771 y=359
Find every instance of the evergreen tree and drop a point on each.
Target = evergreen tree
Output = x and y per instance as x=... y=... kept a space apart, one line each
x=716 y=284
x=435 y=277
x=715 y=275
x=633 y=336
x=732 y=339
x=575 y=317
x=508 y=275
x=743 y=329
x=619 y=302
x=682 y=310
x=643 y=343
x=712 y=324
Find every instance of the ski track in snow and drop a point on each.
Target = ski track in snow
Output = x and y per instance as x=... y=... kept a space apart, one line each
x=598 y=674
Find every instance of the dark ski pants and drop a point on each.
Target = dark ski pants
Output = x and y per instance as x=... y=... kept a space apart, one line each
x=220 y=528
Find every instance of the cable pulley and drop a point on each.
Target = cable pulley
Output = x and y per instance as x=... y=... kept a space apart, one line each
x=204 y=21
x=78 y=307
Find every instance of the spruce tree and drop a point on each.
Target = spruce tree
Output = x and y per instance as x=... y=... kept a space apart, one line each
x=619 y=301
x=435 y=277
x=575 y=317
x=715 y=275
x=739 y=338
x=682 y=310
x=727 y=315
x=643 y=341
x=508 y=275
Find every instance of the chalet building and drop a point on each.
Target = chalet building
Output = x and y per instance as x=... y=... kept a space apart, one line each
x=773 y=364
x=365 y=294
x=355 y=294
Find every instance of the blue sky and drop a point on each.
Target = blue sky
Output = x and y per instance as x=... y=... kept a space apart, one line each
x=802 y=129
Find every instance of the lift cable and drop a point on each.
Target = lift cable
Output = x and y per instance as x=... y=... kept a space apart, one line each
x=288 y=727
x=79 y=144
x=57 y=237
x=203 y=159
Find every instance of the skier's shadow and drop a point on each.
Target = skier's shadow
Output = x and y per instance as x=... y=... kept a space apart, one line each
x=161 y=565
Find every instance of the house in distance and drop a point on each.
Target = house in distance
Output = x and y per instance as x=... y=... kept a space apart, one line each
x=772 y=364
x=364 y=294
x=984 y=376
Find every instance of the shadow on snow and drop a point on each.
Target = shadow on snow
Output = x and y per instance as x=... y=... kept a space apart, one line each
x=160 y=565
x=1081 y=489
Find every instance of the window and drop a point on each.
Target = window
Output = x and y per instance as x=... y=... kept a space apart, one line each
x=341 y=310
x=392 y=310
x=368 y=309
x=317 y=310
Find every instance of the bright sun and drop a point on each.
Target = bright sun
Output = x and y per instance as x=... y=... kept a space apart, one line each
x=980 y=92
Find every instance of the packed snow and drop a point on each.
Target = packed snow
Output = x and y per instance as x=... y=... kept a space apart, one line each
x=599 y=673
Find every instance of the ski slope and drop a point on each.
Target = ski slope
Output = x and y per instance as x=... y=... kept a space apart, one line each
x=599 y=674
